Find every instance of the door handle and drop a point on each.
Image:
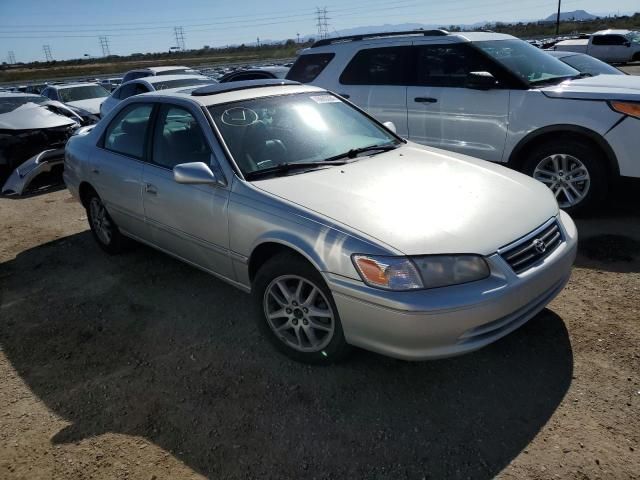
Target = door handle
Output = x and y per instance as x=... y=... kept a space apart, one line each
x=96 y=171
x=344 y=95
x=425 y=100
x=150 y=189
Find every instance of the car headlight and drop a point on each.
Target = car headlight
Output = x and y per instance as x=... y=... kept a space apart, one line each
x=627 y=108
x=414 y=273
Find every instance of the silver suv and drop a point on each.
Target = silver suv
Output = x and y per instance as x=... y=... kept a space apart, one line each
x=491 y=96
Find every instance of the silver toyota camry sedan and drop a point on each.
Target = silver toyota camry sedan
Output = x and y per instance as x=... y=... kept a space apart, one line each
x=345 y=234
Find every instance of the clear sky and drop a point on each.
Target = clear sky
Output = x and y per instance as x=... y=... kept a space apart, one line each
x=72 y=27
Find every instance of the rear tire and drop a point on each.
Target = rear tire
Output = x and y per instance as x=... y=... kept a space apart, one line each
x=104 y=229
x=287 y=292
x=573 y=170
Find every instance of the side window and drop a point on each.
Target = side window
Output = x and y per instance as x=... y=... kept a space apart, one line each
x=377 y=66
x=608 y=40
x=46 y=93
x=307 y=67
x=178 y=138
x=140 y=88
x=127 y=132
x=126 y=91
x=447 y=65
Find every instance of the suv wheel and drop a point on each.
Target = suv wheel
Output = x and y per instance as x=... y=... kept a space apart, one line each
x=103 y=228
x=572 y=170
x=297 y=311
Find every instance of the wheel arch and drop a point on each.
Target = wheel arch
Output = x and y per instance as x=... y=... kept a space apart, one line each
x=84 y=189
x=267 y=249
x=531 y=140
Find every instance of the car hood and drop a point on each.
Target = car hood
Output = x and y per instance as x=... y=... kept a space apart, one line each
x=91 y=105
x=420 y=200
x=600 y=87
x=32 y=116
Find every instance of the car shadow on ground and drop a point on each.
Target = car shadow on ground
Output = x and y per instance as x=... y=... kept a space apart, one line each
x=609 y=238
x=144 y=345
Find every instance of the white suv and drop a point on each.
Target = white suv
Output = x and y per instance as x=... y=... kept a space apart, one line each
x=491 y=96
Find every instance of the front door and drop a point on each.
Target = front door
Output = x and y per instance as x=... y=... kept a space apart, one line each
x=444 y=113
x=116 y=168
x=189 y=221
x=375 y=80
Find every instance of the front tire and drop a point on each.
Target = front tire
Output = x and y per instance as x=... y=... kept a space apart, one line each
x=572 y=169
x=104 y=229
x=297 y=311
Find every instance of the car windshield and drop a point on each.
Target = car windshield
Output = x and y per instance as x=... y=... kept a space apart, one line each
x=264 y=133
x=9 y=104
x=185 y=82
x=634 y=37
x=74 y=94
x=590 y=65
x=529 y=63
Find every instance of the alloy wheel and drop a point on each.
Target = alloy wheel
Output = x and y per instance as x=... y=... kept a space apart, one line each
x=566 y=176
x=299 y=313
x=100 y=221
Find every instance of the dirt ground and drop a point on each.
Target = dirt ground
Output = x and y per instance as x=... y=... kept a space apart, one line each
x=138 y=366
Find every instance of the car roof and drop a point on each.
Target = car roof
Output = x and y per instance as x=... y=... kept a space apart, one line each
x=235 y=94
x=6 y=94
x=612 y=31
x=562 y=53
x=384 y=37
x=73 y=85
x=163 y=69
x=166 y=78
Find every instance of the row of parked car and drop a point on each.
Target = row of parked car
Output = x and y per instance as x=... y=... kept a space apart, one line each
x=323 y=195
x=37 y=110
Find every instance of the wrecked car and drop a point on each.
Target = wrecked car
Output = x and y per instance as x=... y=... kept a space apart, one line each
x=29 y=126
x=82 y=98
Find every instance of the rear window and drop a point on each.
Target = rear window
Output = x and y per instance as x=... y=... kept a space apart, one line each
x=307 y=67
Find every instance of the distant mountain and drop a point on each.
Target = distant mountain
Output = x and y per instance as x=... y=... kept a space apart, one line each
x=579 y=15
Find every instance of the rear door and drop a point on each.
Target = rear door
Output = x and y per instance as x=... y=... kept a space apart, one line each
x=116 y=168
x=189 y=221
x=444 y=113
x=376 y=80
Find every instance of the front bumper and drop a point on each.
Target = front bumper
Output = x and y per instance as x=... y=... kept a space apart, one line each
x=450 y=321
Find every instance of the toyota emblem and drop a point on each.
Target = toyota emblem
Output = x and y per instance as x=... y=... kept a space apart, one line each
x=539 y=245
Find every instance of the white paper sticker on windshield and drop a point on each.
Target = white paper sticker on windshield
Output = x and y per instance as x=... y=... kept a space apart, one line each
x=325 y=99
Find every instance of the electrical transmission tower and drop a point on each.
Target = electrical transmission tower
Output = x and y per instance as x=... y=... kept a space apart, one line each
x=179 y=33
x=322 y=22
x=47 y=53
x=12 y=57
x=104 y=43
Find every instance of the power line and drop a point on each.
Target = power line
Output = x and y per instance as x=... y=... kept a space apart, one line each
x=179 y=33
x=322 y=22
x=104 y=43
x=11 y=57
x=47 y=53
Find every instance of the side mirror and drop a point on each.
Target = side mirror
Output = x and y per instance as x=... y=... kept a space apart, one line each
x=480 y=81
x=194 y=173
x=390 y=126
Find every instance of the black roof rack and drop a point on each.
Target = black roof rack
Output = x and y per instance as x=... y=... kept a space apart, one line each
x=355 y=38
x=216 y=88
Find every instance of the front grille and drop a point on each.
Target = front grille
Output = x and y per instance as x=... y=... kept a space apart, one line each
x=534 y=247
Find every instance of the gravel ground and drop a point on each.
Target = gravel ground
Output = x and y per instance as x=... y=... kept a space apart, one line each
x=138 y=366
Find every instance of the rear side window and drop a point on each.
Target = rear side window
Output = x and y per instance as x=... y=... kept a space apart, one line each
x=608 y=40
x=307 y=67
x=127 y=132
x=377 y=66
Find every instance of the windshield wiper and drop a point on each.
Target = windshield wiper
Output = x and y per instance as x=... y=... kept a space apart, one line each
x=553 y=80
x=354 y=152
x=287 y=167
